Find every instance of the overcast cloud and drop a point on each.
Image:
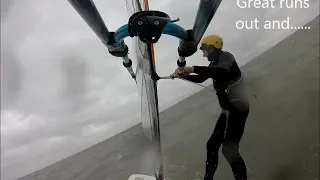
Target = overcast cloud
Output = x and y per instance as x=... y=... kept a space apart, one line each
x=61 y=91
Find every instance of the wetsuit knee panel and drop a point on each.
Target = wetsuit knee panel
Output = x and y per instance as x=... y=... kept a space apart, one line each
x=213 y=145
x=239 y=106
x=230 y=150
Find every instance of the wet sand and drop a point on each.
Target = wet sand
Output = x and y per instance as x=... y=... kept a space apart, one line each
x=281 y=139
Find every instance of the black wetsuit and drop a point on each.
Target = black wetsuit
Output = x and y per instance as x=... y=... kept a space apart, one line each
x=227 y=82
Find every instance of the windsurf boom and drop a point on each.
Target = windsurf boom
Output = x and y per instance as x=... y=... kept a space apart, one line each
x=146 y=27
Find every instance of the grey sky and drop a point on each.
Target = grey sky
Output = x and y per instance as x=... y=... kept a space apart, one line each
x=61 y=91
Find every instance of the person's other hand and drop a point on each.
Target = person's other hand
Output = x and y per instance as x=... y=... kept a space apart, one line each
x=182 y=72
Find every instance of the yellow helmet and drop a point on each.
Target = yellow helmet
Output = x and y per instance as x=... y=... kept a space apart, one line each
x=213 y=40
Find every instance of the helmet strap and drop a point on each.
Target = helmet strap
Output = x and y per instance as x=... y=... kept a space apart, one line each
x=211 y=48
x=213 y=55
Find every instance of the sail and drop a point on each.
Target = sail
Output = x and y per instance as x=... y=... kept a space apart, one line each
x=147 y=89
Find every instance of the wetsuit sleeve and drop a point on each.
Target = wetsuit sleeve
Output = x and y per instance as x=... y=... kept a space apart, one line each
x=218 y=71
x=196 y=78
